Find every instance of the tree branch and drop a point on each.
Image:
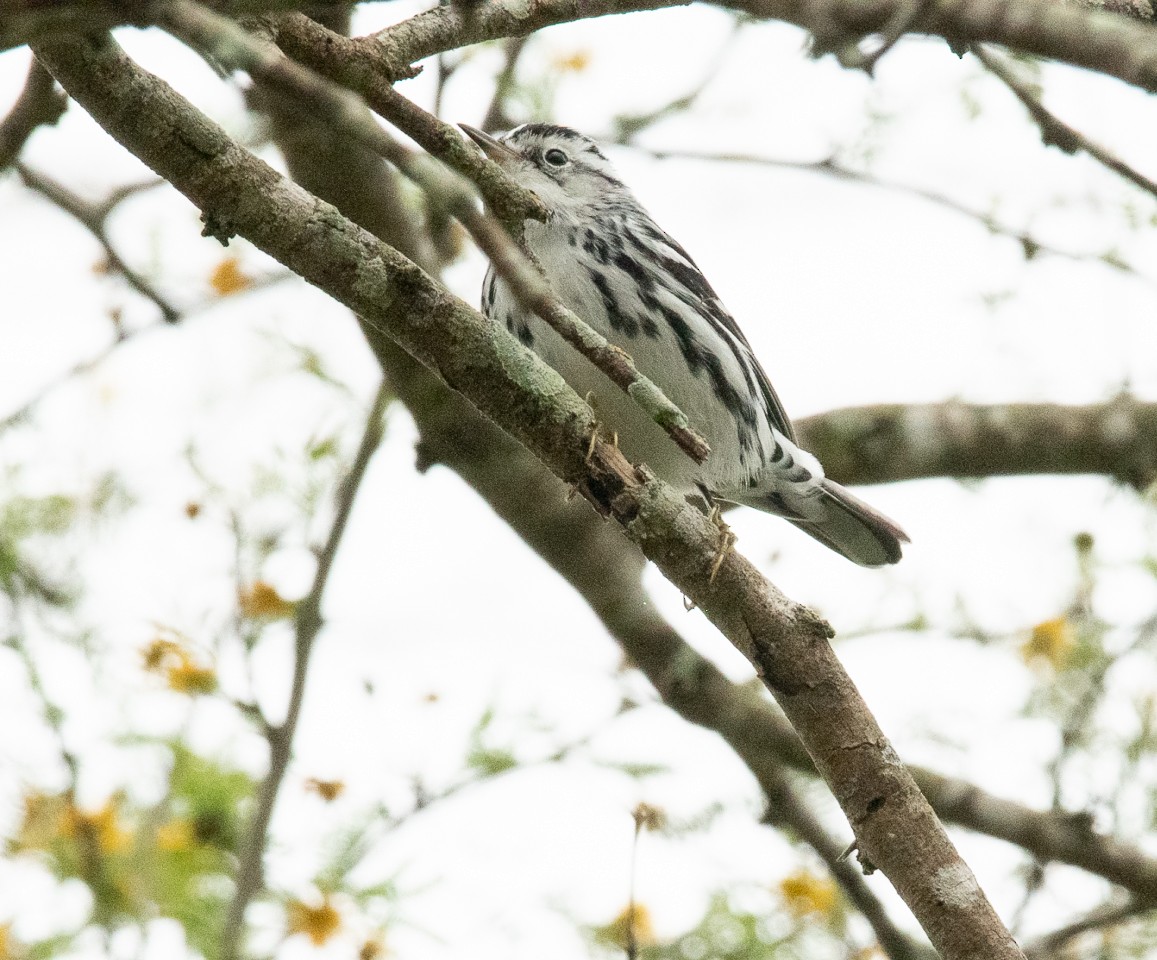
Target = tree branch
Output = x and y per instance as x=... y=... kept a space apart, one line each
x=1054 y=131
x=890 y=442
x=308 y=623
x=1057 y=943
x=895 y=828
x=786 y=807
x=39 y=105
x=1068 y=32
x=94 y=218
x=227 y=42
x=27 y=21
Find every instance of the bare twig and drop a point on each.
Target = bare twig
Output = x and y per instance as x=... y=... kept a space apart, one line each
x=308 y=623
x=230 y=44
x=831 y=167
x=1055 y=944
x=123 y=334
x=496 y=117
x=93 y=869
x=94 y=217
x=39 y=105
x=629 y=126
x=1056 y=132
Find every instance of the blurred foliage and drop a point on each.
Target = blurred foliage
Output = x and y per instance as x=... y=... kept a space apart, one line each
x=803 y=920
x=169 y=859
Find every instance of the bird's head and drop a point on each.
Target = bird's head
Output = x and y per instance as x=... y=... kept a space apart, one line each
x=566 y=169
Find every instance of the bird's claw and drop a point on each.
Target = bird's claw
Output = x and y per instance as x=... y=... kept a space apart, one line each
x=727 y=540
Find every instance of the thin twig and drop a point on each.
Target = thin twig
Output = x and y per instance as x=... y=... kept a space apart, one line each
x=1055 y=131
x=230 y=44
x=94 y=217
x=40 y=104
x=629 y=126
x=632 y=932
x=1107 y=915
x=787 y=807
x=308 y=623
x=93 y=869
x=123 y=334
x=831 y=167
x=496 y=117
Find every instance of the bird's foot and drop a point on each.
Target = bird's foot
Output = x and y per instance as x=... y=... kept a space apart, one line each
x=595 y=439
x=727 y=540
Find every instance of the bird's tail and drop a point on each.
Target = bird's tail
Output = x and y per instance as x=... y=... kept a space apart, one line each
x=849 y=526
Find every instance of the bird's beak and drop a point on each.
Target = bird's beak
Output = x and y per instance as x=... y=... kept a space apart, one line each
x=499 y=152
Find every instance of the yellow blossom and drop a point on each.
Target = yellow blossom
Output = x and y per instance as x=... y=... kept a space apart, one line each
x=575 y=62
x=45 y=820
x=648 y=817
x=804 y=893
x=176 y=836
x=160 y=652
x=632 y=925
x=374 y=948
x=10 y=947
x=168 y=654
x=191 y=678
x=318 y=923
x=103 y=826
x=227 y=278
x=328 y=790
x=1051 y=641
x=260 y=600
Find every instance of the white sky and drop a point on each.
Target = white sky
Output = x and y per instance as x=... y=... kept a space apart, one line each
x=850 y=295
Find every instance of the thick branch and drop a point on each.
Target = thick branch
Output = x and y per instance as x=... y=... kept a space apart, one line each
x=787 y=643
x=1068 y=32
x=27 y=21
x=449 y=26
x=892 y=442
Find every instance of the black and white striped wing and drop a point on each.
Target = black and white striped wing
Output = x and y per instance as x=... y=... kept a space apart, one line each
x=669 y=258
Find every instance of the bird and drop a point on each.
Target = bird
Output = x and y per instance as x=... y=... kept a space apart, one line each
x=606 y=258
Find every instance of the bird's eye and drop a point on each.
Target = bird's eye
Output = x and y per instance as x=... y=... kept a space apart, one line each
x=555 y=157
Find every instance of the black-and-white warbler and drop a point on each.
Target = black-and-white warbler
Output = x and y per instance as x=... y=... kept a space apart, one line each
x=611 y=264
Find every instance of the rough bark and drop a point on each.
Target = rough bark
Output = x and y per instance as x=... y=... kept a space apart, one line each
x=880 y=444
